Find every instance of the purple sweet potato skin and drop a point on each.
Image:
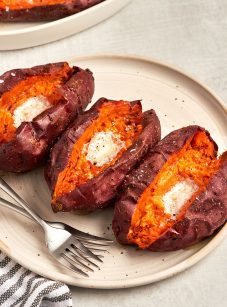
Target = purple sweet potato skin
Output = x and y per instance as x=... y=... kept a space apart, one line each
x=48 y=12
x=204 y=216
x=97 y=192
x=34 y=139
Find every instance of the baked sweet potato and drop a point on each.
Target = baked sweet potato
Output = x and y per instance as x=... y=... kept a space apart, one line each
x=36 y=106
x=93 y=156
x=40 y=10
x=177 y=196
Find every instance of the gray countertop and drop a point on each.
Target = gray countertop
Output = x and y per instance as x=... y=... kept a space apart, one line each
x=192 y=35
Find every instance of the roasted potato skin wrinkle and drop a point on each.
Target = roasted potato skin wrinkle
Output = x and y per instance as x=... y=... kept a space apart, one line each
x=33 y=140
x=42 y=10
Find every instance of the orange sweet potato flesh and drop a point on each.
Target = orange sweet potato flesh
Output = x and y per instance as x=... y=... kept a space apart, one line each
x=118 y=117
x=197 y=161
x=30 y=87
x=25 y=4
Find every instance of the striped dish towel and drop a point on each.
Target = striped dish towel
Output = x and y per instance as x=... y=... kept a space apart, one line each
x=20 y=287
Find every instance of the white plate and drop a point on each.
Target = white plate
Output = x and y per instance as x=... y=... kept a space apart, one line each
x=17 y=35
x=179 y=100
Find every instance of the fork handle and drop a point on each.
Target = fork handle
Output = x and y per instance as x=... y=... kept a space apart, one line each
x=14 y=207
x=6 y=188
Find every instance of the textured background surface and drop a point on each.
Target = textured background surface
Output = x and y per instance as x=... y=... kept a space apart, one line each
x=192 y=35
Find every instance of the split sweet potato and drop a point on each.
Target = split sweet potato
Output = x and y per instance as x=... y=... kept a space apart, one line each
x=177 y=196
x=94 y=155
x=36 y=106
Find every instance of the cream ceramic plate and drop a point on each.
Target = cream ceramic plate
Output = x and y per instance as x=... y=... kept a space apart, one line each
x=179 y=101
x=23 y=35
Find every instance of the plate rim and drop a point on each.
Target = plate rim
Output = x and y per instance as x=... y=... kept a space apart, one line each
x=184 y=264
x=52 y=23
x=156 y=61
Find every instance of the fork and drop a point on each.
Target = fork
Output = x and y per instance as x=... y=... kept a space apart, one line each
x=87 y=239
x=69 y=246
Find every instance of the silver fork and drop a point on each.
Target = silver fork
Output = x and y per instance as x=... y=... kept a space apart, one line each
x=69 y=246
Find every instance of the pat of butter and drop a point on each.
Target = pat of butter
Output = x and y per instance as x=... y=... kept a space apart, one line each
x=179 y=194
x=103 y=148
x=30 y=109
